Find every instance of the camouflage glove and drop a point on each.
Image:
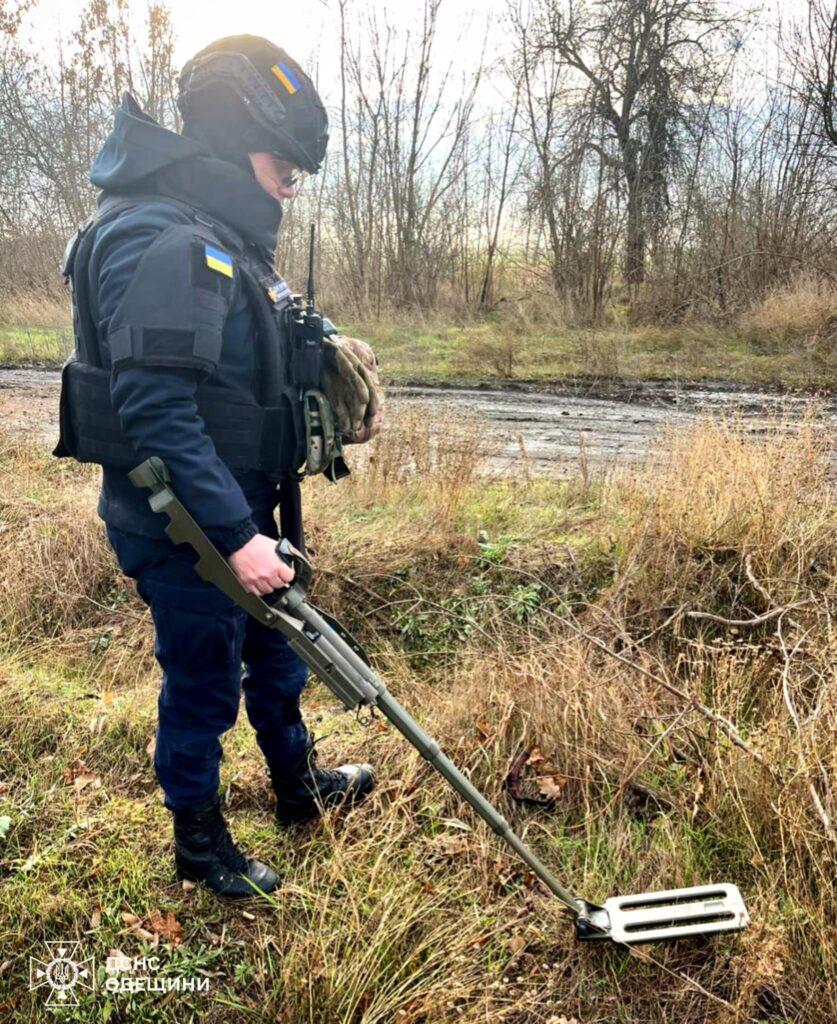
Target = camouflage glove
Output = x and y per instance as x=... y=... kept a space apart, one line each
x=350 y=382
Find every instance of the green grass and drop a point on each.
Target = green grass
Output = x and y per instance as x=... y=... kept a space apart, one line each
x=76 y=862
x=485 y=351
x=377 y=915
x=488 y=350
x=35 y=346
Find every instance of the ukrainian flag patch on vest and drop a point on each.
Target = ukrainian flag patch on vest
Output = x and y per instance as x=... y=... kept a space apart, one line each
x=217 y=260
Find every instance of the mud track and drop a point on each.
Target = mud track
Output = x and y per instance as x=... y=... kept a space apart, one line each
x=612 y=425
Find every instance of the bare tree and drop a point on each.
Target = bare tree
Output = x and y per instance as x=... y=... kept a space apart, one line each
x=401 y=136
x=498 y=191
x=605 y=133
x=55 y=114
x=814 y=54
x=641 y=64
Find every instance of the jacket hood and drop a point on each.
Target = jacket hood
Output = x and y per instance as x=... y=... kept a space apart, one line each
x=136 y=148
x=140 y=156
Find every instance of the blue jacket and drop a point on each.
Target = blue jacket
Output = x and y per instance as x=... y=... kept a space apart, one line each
x=156 y=404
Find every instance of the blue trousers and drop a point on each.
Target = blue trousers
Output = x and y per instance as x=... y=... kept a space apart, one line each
x=202 y=639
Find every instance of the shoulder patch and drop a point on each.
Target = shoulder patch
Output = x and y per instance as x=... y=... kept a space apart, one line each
x=218 y=260
x=277 y=291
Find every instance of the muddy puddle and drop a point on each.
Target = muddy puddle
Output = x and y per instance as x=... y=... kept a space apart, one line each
x=552 y=428
x=556 y=430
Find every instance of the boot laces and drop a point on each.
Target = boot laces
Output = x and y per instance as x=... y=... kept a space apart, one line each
x=323 y=775
x=227 y=851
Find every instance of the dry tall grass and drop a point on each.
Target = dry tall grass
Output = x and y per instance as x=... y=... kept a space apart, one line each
x=803 y=310
x=34 y=309
x=663 y=646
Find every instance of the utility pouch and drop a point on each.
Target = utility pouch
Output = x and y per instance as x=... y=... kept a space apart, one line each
x=66 y=446
x=324 y=446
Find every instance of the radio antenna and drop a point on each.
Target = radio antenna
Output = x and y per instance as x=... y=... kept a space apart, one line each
x=311 y=270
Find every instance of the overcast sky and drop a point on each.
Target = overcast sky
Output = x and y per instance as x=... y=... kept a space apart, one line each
x=309 y=27
x=303 y=28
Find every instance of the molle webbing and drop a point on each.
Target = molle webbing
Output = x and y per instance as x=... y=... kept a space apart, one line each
x=233 y=419
x=259 y=430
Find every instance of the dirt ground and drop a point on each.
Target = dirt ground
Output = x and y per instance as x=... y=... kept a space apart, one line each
x=549 y=430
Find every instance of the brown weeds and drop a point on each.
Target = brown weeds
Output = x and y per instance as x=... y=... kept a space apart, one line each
x=706 y=580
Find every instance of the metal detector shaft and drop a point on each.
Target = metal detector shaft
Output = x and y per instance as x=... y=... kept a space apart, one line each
x=431 y=752
x=333 y=656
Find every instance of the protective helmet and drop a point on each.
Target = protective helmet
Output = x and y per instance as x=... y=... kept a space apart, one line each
x=244 y=94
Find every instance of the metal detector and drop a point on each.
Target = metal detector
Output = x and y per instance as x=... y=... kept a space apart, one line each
x=340 y=662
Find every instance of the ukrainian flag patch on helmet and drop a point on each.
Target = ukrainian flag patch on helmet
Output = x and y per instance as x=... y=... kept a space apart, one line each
x=217 y=260
x=287 y=78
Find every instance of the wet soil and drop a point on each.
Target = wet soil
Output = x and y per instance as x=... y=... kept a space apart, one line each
x=616 y=424
x=610 y=422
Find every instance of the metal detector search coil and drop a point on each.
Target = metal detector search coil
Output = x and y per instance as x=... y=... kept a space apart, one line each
x=666 y=915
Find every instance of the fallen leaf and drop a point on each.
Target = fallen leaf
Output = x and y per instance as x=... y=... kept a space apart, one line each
x=516 y=944
x=96 y=918
x=549 y=786
x=456 y=823
x=450 y=846
x=31 y=861
x=134 y=925
x=503 y=870
x=166 y=928
x=151 y=746
x=484 y=728
x=85 y=779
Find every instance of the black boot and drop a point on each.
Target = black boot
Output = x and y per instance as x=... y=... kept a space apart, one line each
x=305 y=791
x=204 y=851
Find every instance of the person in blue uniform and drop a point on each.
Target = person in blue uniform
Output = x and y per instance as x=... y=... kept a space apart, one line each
x=177 y=313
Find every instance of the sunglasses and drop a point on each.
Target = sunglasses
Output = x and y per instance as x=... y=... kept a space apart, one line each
x=294 y=178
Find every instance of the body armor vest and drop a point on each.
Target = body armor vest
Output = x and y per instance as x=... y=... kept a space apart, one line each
x=279 y=426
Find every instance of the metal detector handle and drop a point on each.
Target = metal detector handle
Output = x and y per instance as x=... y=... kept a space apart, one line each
x=211 y=566
x=347 y=684
x=302 y=567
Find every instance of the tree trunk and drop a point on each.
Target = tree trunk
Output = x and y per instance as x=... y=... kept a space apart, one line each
x=635 y=229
